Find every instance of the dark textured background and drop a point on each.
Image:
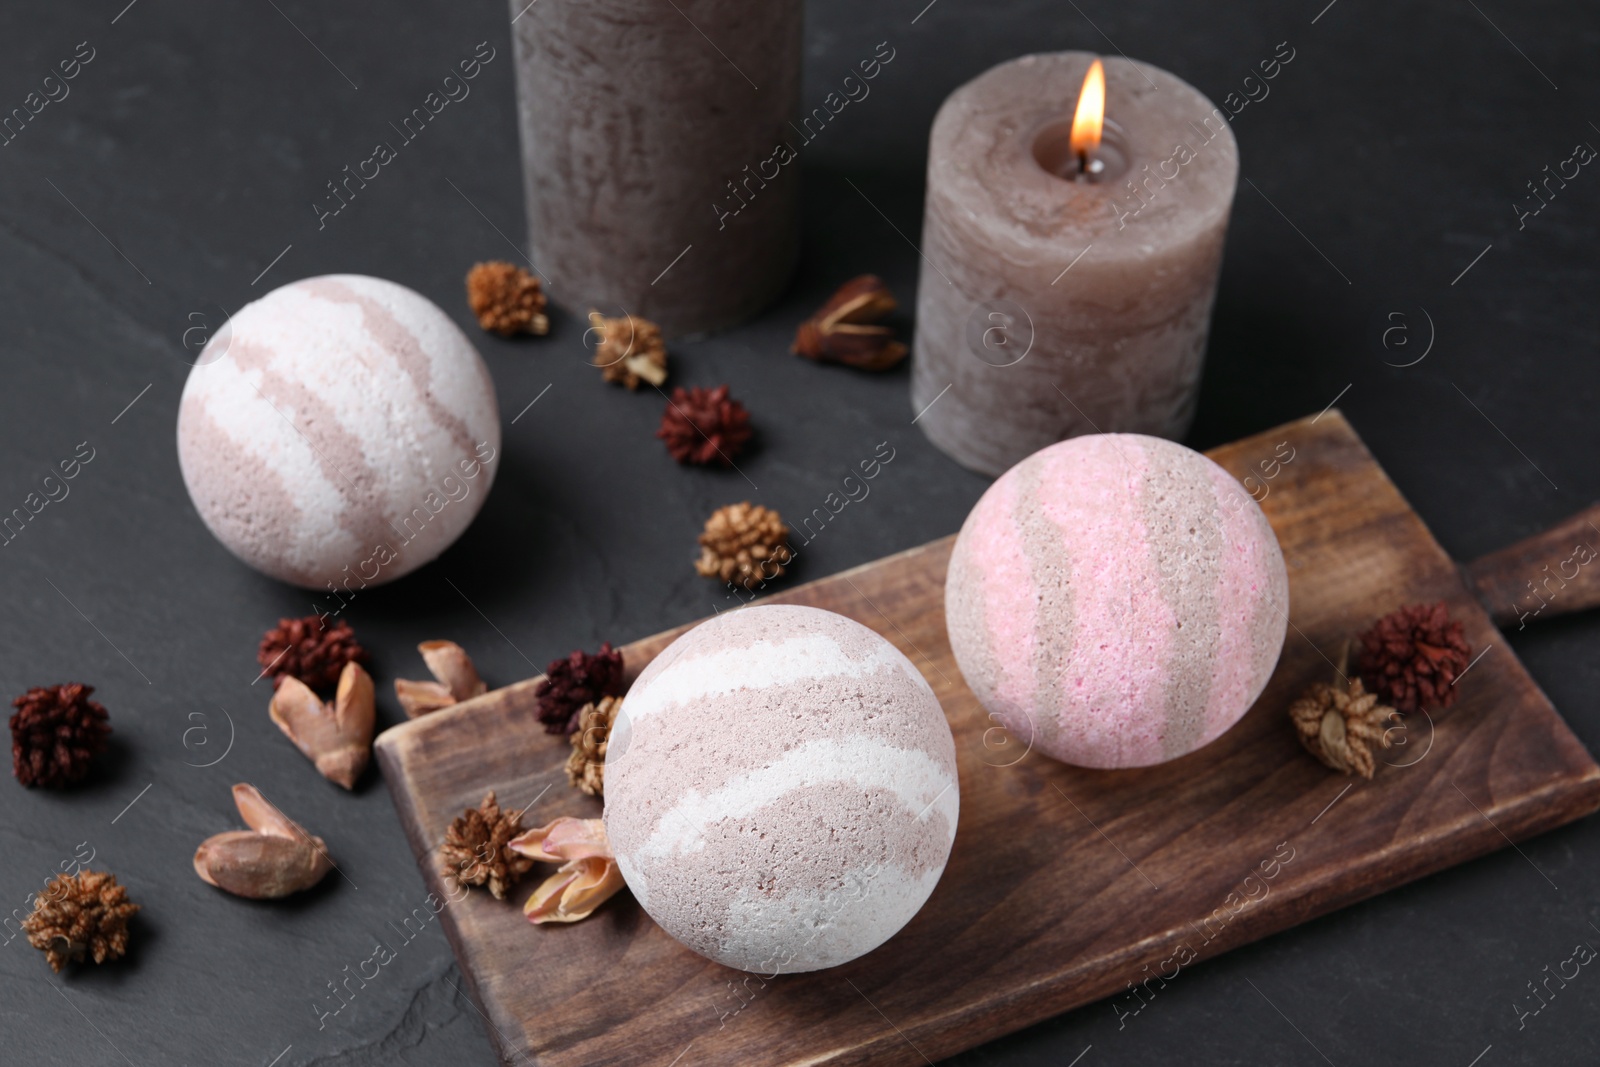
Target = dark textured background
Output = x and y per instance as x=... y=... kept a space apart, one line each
x=1396 y=142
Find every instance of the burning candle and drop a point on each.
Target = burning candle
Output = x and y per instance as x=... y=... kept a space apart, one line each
x=655 y=159
x=1072 y=238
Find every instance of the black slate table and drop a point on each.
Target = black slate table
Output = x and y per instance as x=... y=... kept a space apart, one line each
x=1384 y=184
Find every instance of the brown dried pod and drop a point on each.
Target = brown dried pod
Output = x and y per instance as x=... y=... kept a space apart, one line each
x=844 y=329
x=628 y=350
x=476 y=848
x=456 y=679
x=337 y=737
x=80 y=916
x=586 y=766
x=1341 y=724
x=272 y=859
x=745 y=544
x=506 y=299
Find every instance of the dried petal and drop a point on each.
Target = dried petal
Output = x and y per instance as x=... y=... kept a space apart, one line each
x=574 y=891
x=422 y=698
x=337 y=737
x=450 y=664
x=564 y=839
x=456 y=679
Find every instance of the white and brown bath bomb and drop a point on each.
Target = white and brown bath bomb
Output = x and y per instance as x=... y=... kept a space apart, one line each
x=1116 y=600
x=338 y=428
x=781 y=789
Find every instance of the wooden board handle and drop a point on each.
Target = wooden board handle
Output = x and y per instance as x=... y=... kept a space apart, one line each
x=1551 y=573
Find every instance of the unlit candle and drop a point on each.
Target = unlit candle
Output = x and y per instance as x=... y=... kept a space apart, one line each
x=640 y=120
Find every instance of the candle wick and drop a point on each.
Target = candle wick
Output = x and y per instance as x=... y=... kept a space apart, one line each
x=1083 y=163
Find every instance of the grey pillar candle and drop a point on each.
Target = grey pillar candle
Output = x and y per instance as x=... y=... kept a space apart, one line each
x=1051 y=306
x=650 y=143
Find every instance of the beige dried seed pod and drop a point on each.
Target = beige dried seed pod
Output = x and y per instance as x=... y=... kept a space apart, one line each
x=336 y=736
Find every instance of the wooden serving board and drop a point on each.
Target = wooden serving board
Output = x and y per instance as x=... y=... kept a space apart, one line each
x=1065 y=885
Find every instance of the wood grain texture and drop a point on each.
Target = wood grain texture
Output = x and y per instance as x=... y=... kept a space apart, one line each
x=1540 y=577
x=1065 y=885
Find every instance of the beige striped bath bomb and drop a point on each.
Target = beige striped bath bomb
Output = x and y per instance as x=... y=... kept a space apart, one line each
x=339 y=432
x=1116 y=600
x=781 y=789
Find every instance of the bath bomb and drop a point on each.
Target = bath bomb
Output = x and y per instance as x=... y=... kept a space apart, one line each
x=340 y=430
x=1116 y=600
x=781 y=789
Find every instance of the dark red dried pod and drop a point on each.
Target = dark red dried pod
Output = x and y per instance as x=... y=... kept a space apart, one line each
x=1412 y=657
x=56 y=731
x=704 y=426
x=311 y=650
x=572 y=682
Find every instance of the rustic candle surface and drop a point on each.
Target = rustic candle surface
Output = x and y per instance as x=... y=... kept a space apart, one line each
x=649 y=133
x=1052 y=307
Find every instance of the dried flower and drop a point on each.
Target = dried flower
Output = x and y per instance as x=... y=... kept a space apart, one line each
x=1339 y=724
x=704 y=426
x=586 y=767
x=78 y=916
x=1412 y=657
x=310 y=650
x=506 y=299
x=337 y=736
x=629 y=350
x=588 y=875
x=55 y=732
x=476 y=849
x=571 y=683
x=274 y=858
x=456 y=679
x=744 y=544
x=842 y=330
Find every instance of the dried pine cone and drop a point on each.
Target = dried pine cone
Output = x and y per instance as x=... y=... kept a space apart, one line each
x=586 y=767
x=310 y=650
x=629 y=350
x=571 y=683
x=1340 y=724
x=1413 y=655
x=55 y=732
x=78 y=915
x=744 y=544
x=704 y=426
x=506 y=299
x=475 y=853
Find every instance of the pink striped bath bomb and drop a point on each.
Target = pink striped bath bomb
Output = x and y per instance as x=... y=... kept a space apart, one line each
x=339 y=431
x=781 y=789
x=1116 y=600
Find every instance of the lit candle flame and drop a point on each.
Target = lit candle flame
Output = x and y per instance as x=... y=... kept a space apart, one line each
x=1091 y=113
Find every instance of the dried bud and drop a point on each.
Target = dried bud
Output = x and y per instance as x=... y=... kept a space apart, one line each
x=274 y=858
x=843 y=330
x=337 y=737
x=506 y=299
x=628 y=350
x=456 y=680
x=588 y=875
